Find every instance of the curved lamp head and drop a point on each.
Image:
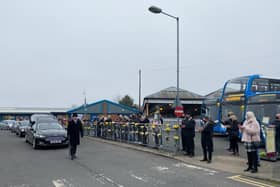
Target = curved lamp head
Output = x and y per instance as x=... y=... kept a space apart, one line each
x=155 y=9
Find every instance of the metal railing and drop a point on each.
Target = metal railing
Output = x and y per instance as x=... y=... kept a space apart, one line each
x=160 y=136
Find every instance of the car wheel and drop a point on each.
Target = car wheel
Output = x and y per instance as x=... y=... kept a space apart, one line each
x=34 y=145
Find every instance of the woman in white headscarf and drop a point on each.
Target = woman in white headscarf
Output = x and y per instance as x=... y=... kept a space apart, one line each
x=251 y=137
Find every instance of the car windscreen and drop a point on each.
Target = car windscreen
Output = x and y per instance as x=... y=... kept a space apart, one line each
x=49 y=125
x=24 y=124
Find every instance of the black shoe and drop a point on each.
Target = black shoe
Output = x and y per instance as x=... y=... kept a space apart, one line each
x=72 y=157
x=254 y=171
x=209 y=161
x=248 y=169
x=203 y=160
x=259 y=165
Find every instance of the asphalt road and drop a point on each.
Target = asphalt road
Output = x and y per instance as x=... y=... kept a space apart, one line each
x=98 y=165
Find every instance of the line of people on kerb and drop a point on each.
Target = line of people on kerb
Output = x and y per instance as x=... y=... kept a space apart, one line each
x=188 y=134
x=250 y=129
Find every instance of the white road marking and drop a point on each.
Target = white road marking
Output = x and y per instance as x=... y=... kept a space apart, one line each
x=58 y=183
x=209 y=171
x=162 y=169
x=62 y=183
x=21 y=185
x=138 y=178
x=104 y=179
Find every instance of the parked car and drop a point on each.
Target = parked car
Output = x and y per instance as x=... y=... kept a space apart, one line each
x=14 y=126
x=21 y=128
x=10 y=123
x=4 y=126
x=46 y=132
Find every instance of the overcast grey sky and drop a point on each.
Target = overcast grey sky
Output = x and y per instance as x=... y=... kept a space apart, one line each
x=51 y=51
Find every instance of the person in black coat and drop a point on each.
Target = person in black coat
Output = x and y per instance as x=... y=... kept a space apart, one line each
x=74 y=131
x=234 y=132
x=207 y=139
x=228 y=123
x=188 y=134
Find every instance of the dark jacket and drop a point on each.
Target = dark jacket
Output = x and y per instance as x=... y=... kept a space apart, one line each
x=73 y=132
x=234 y=130
x=277 y=127
x=188 y=127
x=207 y=136
x=207 y=131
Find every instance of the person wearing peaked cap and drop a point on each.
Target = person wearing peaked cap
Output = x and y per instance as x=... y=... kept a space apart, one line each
x=74 y=131
x=188 y=134
x=207 y=139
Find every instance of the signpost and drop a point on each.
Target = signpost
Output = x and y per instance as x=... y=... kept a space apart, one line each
x=179 y=111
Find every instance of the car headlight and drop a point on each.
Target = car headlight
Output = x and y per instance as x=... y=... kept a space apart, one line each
x=22 y=130
x=39 y=136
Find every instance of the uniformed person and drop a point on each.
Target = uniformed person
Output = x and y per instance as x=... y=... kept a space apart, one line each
x=207 y=139
x=74 y=131
x=188 y=134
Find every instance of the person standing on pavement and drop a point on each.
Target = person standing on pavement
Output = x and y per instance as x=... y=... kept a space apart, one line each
x=188 y=134
x=276 y=125
x=228 y=123
x=207 y=139
x=251 y=138
x=234 y=132
x=74 y=131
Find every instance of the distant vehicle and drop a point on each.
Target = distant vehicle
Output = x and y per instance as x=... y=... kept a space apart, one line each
x=21 y=128
x=46 y=132
x=4 y=126
x=14 y=126
x=35 y=117
x=9 y=122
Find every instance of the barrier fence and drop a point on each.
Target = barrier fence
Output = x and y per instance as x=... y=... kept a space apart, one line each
x=160 y=136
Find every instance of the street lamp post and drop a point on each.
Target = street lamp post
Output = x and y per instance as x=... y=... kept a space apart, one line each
x=158 y=10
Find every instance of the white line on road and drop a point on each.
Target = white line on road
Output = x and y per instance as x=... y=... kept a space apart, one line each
x=209 y=171
x=138 y=178
x=103 y=179
x=58 y=183
x=62 y=183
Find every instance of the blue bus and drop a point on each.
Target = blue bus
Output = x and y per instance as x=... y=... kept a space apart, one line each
x=248 y=93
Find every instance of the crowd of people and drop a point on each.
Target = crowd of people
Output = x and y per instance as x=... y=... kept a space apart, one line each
x=250 y=129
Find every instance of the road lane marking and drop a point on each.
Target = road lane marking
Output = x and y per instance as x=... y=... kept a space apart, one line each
x=138 y=178
x=58 y=183
x=100 y=177
x=62 y=183
x=183 y=165
x=252 y=182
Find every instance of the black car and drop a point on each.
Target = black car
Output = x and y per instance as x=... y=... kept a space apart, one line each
x=46 y=132
x=21 y=128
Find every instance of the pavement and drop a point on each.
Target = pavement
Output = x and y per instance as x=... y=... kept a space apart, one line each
x=268 y=171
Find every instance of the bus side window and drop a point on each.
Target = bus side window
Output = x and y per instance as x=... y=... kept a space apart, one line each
x=262 y=89
x=254 y=88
